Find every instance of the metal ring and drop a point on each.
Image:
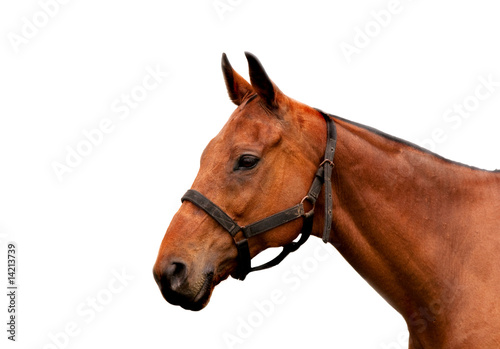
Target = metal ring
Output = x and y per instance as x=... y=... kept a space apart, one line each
x=327 y=161
x=313 y=203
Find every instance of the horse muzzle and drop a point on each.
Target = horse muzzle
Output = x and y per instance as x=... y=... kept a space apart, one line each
x=178 y=287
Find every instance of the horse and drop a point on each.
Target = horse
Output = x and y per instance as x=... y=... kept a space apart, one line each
x=422 y=230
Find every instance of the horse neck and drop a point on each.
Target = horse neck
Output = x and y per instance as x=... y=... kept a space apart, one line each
x=392 y=216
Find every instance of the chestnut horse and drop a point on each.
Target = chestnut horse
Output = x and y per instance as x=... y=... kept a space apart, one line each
x=422 y=230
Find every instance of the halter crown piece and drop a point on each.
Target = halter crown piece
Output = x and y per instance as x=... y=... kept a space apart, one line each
x=322 y=177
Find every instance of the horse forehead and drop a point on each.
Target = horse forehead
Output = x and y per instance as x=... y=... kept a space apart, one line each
x=248 y=128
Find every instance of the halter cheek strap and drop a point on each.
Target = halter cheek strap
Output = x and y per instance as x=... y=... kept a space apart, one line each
x=322 y=177
x=331 y=143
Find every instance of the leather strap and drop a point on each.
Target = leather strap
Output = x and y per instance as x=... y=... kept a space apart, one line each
x=291 y=247
x=213 y=211
x=331 y=143
x=273 y=221
x=244 y=265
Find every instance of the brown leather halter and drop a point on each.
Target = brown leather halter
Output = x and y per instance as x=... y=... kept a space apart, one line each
x=323 y=176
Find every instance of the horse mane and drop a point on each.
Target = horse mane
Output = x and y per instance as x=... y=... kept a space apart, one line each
x=412 y=145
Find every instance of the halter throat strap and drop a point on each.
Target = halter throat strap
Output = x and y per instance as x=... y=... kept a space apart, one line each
x=322 y=177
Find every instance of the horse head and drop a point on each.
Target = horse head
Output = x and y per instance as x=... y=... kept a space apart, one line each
x=262 y=162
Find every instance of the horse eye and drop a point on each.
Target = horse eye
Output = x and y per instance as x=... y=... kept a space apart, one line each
x=246 y=162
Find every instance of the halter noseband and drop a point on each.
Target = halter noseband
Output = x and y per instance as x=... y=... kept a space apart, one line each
x=323 y=176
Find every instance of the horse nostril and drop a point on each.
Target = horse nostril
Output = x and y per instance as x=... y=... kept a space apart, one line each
x=176 y=274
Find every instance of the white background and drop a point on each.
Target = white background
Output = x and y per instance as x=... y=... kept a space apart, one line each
x=110 y=213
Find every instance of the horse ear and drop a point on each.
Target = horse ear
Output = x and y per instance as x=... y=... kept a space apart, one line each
x=237 y=87
x=261 y=83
